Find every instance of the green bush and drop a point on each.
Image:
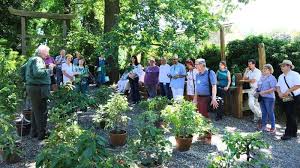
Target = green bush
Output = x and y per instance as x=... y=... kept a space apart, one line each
x=239 y=51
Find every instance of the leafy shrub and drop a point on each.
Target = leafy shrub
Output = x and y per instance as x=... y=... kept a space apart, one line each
x=113 y=113
x=103 y=94
x=184 y=119
x=150 y=147
x=74 y=147
x=238 y=145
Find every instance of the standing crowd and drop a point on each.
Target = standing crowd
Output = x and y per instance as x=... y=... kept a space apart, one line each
x=206 y=88
x=201 y=85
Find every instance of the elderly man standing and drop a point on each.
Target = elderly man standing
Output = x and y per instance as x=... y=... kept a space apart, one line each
x=59 y=60
x=288 y=88
x=252 y=75
x=38 y=88
x=177 y=75
x=205 y=88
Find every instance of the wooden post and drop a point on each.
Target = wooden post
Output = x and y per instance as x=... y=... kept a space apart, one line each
x=222 y=42
x=261 y=55
x=64 y=31
x=23 y=35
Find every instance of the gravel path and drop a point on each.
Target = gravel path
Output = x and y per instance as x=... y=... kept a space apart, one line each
x=285 y=154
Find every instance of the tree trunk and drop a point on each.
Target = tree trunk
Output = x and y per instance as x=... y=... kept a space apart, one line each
x=112 y=10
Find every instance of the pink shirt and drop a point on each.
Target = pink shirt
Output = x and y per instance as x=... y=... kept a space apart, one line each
x=49 y=60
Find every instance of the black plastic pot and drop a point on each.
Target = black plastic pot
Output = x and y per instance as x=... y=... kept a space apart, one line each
x=23 y=127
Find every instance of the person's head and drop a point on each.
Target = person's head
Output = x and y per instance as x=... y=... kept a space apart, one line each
x=286 y=66
x=69 y=58
x=175 y=59
x=189 y=64
x=77 y=54
x=251 y=64
x=62 y=52
x=222 y=65
x=134 y=60
x=151 y=61
x=200 y=64
x=267 y=69
x=81 y=61
x=163 y=60
x=43 y=51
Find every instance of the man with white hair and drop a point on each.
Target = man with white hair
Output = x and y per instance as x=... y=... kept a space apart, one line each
x=37 y=79
x=177 y=76
x=288 y=88
x=205 y=88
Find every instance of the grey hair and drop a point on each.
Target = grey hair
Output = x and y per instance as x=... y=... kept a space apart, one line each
x=201 y=61
x=270 y=67
x=41 y=48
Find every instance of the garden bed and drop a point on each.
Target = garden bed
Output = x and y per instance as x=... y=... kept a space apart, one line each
x=197 y=156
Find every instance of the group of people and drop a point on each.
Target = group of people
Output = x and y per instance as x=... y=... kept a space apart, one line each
x=42 y=73
x=202 y=86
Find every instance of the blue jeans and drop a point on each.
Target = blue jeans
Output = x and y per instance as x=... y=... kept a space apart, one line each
x=165 y=90
x=267 y=109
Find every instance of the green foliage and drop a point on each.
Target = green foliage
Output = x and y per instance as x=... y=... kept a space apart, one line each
x=277 y=49
x=74 y=147
x=156 y=104
x=113 y=113
x=8 y=137
x=184 y=119
x=11 y=87
x=74 y=100
x=238 y=145
x=150 y=147
x=103 y=94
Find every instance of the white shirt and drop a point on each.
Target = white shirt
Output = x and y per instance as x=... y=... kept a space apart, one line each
x=164 y=70
x=69 y=70
x=255 y=74
x=292 y=78
x=138 y=70
x=191 y=79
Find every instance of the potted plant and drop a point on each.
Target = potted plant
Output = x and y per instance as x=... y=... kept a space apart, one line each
x=156 y=105
x=9 y=150
x=207 y=130
x=113 y=113
x=185 y=122
x=150 y=147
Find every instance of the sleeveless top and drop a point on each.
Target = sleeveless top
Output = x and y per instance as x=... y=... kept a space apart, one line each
x=222 y=78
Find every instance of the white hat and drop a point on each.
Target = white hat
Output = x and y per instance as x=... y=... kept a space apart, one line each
x=287 y=62
x=175 y=56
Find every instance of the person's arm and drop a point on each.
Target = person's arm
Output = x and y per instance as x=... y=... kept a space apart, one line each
x=296 y=80
x=273 y=83
x=67 y=75
x=39 y=69
x=213 y=80
x=23 y=72
x=279 y=91
x=229 y=80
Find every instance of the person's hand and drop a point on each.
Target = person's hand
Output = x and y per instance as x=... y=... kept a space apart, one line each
x=256 y=94
x=51 y=66
x=214 y=103
x=286 y=94
x=170 y=76
x=226 y=88
x=280 y=95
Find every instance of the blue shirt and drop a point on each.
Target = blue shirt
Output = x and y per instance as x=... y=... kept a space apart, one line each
x=177 y=69
x=202 y=84
x=266 y=83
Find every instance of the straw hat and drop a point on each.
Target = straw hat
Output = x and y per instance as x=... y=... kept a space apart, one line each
x=287 y=62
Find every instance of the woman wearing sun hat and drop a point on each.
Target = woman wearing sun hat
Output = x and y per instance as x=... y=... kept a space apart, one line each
x=288 y=88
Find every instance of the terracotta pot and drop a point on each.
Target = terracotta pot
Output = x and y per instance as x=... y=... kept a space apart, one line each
x=23 y=127
x=206 y=138
x=13 y=158
x=27 y=114
x=118 y=139
x=183 y=144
